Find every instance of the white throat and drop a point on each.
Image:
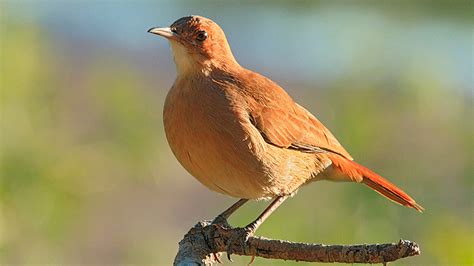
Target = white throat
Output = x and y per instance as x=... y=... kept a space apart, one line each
x=182 y=59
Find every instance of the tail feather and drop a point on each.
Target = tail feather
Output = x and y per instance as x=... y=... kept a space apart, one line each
x=359 y=173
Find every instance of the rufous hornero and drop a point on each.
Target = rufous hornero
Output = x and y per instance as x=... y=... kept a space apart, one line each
x=241 y=134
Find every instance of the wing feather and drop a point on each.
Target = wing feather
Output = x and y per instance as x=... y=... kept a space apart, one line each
x=284 y=123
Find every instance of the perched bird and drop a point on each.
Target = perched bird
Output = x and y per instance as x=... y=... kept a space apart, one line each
x=241 y=134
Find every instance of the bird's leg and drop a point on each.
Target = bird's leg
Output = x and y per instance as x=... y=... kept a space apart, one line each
x=253 y=226
x=222 y=218
x=250 y=229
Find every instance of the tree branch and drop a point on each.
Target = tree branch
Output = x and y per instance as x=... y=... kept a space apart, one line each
x=204 y=242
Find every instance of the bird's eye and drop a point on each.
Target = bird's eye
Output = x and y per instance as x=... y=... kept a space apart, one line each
x=201 y=36
x=173 y=29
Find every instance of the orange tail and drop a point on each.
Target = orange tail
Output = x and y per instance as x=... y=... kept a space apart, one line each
x=359 y=173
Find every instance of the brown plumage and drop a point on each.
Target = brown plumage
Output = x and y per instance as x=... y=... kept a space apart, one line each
x=241 y=134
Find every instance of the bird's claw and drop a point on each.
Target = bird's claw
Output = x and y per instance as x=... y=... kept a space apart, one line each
x=242 y=235
x=216 y=257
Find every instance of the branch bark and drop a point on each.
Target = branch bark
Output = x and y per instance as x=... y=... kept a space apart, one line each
x=203 y=244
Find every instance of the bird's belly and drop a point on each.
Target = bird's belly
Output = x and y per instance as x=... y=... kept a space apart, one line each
x=217 y=152
x=206 y=156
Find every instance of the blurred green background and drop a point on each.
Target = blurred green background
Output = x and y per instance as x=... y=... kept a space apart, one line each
x=87 y=176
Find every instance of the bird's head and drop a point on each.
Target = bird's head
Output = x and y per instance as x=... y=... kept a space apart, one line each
x=197 y=43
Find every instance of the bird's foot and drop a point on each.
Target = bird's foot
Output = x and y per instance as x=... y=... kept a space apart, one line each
x=220 y=220
x=239 y=239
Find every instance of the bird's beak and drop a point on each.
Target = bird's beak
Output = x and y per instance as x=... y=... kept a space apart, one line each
x=165 y=32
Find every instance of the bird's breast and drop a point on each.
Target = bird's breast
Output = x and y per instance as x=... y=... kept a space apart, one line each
x=210 y=136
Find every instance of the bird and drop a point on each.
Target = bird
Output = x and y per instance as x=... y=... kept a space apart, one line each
x=241 y=134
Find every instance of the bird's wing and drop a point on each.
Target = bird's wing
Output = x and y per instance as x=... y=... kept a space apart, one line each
x=286 y=124
x=296 y=129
